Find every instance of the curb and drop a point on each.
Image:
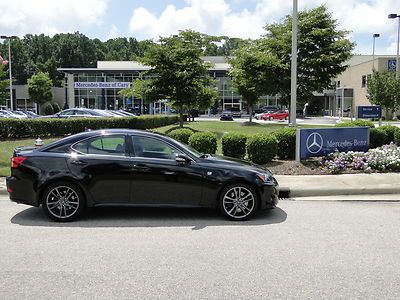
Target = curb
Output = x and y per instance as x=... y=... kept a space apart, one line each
x=288 y=193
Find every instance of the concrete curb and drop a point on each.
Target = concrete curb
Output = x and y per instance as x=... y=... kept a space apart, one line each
x=313 y=192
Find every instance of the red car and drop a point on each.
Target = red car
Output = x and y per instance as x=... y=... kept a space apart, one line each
x=280 y=115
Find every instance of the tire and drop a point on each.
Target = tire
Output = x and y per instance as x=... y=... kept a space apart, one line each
x=242 y=210
x=286 y=118
x=63 y=201
x=271 y=118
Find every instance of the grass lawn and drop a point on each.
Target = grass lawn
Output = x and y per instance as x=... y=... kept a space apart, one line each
x=7 y=149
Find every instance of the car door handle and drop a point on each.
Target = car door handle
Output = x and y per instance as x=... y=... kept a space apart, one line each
x=141 y=168
x=79 y=162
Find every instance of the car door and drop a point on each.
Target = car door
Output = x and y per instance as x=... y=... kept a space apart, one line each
x=157 y=178
x=103 y=167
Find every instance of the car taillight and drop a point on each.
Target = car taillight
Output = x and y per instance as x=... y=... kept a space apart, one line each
x=17 y=161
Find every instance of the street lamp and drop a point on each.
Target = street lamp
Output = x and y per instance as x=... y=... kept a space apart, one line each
x=293 y=85
x=394 y=16
x=9 y=38
x=374 y=36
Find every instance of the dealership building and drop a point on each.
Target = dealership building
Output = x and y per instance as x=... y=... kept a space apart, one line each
x=99 y=87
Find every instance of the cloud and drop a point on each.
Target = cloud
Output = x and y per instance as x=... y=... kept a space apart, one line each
x=114 y=32
x=362 y=17
x=19 y=17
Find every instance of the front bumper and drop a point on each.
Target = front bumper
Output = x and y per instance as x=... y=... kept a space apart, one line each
x=269 y=195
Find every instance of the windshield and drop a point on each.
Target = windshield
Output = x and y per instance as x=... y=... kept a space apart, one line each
x=191 y=150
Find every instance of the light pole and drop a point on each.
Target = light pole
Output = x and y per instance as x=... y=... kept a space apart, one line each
x=394 y=16
x=293 y=85
x=9 y=38
x=374 y=36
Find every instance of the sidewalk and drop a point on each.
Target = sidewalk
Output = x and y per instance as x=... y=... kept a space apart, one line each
x=3 y=189
x=345 y=184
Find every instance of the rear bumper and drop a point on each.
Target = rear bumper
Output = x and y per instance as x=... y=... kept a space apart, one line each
x=21 y=191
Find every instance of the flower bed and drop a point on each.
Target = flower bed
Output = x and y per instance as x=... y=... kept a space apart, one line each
x=385 y=158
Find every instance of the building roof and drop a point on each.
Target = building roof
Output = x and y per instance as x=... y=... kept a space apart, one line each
x=219 y=64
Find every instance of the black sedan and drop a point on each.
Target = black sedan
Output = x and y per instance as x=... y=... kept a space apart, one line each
x=120 y=167
x=226 y=115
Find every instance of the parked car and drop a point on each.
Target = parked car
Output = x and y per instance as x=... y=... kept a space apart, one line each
x=10 y=114
x=226 y=115
x=236 y=113
x=20 y=114
x=79 y=113
x=30 y=114
x=264 y=109
x=4 y=114
x=278 y=115
x=121 y=166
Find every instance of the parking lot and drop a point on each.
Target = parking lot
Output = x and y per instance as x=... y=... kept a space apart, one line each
x=301 y=250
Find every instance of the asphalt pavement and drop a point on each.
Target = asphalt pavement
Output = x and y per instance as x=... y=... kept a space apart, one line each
x=300 y=250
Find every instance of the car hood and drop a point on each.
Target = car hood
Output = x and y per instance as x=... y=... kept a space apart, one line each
x=234 y=163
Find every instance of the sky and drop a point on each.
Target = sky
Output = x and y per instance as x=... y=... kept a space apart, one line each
x=149 y=19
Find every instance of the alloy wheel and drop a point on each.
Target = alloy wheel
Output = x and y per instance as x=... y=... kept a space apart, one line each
x=62 y=202
x=238 y=202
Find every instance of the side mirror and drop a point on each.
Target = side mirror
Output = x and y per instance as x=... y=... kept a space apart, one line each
x=182 y=159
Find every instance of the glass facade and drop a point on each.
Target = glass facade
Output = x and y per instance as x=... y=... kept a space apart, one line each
x=92 y=95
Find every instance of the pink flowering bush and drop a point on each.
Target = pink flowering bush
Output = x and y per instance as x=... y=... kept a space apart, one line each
x=385 y=158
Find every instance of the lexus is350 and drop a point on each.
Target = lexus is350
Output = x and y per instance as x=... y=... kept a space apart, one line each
x=130 y=167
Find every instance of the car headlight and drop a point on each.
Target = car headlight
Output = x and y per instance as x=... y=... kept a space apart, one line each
x=267 y=179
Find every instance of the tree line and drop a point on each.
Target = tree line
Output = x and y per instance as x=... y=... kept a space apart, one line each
x=32 y=54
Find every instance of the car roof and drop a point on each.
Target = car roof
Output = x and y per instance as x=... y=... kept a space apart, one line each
x=92 y=133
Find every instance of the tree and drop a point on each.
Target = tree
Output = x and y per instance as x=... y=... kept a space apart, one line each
x=39 y=88
x=322 y=51
x=254 y=73
x=182 y=77
x=384 y=89
x=4 y=83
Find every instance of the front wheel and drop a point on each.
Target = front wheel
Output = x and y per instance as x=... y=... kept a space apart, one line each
x=63 y=202
x=238 y=202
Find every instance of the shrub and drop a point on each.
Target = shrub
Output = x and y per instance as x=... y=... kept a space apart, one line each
x=356 y=123
x=56 y=107
x=181 y=135
x=262 y=148
x=286 y=142
x=397 y=137
x=21 y=128
x=390 y=131
x=377 y=137
x=204 y=142
x=234 y=145
x=47 y=108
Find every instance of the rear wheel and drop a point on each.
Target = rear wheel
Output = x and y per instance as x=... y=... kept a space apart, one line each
x=63 y=202
x=238 y=202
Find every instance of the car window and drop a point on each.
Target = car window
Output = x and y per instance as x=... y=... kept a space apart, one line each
x=153 y=148
x=67 y=113
x=104 y=145
x=80 y=113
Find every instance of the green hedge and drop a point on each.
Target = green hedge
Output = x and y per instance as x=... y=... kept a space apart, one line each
x=234 y=145
x=356 y=123
x=16 y=128
x=204 y=142
x=262 y=148
x=181 y=135
x=286 y=142
x=377 y=137
x=390 y=131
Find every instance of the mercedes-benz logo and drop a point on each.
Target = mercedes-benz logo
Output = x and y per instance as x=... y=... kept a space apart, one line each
x=314 y=142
